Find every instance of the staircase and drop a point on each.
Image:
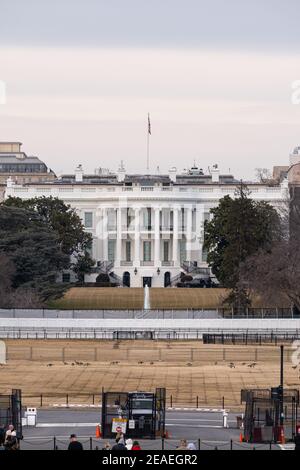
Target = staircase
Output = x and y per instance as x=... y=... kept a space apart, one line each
x=117 y=278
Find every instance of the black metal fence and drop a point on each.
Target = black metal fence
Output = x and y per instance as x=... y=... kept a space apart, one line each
x=91 y=443
x=90 y=400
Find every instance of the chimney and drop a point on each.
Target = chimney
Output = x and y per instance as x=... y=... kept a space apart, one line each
x=121 y=172
x=215 y=174
x=173 y=173
x=79 y=174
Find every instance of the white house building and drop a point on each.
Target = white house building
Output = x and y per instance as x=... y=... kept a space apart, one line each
x=146 y=228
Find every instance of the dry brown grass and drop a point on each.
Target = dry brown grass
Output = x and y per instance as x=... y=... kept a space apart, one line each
x=160 y=298
x=141 y=365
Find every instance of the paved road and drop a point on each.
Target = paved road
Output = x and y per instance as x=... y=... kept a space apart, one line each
x=191 y=425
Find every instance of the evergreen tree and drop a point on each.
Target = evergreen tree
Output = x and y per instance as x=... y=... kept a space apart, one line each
x=65 y=222
x=34 y=250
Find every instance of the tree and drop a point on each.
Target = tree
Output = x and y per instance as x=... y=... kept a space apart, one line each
x=274 y=274
x=65 y=222
x=14 y=298
x=33 y=248
x=239 y=228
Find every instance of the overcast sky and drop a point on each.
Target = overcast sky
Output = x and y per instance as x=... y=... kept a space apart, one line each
x=215 y=76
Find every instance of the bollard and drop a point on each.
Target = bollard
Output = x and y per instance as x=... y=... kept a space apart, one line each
x=41 y=400
x=270 y=445
x=162 y=443
x=171 y=401
x=199 y=444
x=197 y=402
x=67 y=401
x=91 y=443
x=54 y=443
x=231 y=444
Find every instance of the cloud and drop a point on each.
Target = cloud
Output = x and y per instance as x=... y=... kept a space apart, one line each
x=216 y=105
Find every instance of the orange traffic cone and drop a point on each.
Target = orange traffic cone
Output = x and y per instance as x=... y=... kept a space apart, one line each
x=282 y=437
x=98 y=431
x=167 y=435
x=241 y=437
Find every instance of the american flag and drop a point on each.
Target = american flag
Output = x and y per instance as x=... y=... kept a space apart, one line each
x=149 y=124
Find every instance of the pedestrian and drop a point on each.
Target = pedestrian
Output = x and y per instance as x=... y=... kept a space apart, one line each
x=136 y=446
x=120 y=443
x=11 y=443
x=74 y=444
x=10 y=431
x=297 y=439
x=191 y=446
x=182 y=445
x=2 y=434
x=129 y=444
x=107 y=446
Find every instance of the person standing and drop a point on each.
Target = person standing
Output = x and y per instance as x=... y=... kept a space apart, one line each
x=74 y=444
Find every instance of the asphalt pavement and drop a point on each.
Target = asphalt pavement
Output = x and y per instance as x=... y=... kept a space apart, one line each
x=205 y=429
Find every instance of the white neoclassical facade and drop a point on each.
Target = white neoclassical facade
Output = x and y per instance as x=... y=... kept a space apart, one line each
x=146 y=228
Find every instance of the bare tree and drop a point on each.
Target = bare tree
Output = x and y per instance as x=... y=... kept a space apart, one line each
x=274 y=274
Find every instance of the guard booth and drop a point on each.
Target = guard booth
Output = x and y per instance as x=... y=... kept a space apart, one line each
x=262 y=414
x=11 y=411
x=135 y=414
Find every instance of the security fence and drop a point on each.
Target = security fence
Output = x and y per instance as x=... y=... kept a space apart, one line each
x=94 y=400
x=116 y=353
x=91 y=443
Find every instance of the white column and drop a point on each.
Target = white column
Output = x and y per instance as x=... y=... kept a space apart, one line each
x=175 y=236
x=156 y=237
x=104 y=235
x=188 y=233
x=137 y=237
x=119 y=237
x=199 y=230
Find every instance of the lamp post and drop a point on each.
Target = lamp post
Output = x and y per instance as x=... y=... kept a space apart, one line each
x=281 y=386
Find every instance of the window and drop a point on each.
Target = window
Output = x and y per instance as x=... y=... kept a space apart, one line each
x=66 y=277
x=111 y=250
x=88 y=219
x=128 y=251
x=147 y=251
x=166 y=251
x=147 y=218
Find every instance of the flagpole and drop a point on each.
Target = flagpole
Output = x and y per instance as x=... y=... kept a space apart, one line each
x=148 y=150
x=148 y=141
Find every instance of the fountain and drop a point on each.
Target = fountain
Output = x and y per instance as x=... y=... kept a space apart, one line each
x=146 y=298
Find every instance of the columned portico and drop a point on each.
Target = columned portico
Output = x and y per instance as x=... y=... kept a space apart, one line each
x=136 y=237
x=175 y=234
x=157 y=261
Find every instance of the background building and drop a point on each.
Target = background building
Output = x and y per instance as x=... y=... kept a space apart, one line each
x=146 y=229
x=16 y=165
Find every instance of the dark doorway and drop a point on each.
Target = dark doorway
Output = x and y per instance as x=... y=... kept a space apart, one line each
x=167 y=279
x=147 y=281
x=126 y=279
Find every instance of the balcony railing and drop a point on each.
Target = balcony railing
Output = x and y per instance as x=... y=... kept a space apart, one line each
x=166 y=228
x=147 y=263
x=167 y=263
x=126 y=263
